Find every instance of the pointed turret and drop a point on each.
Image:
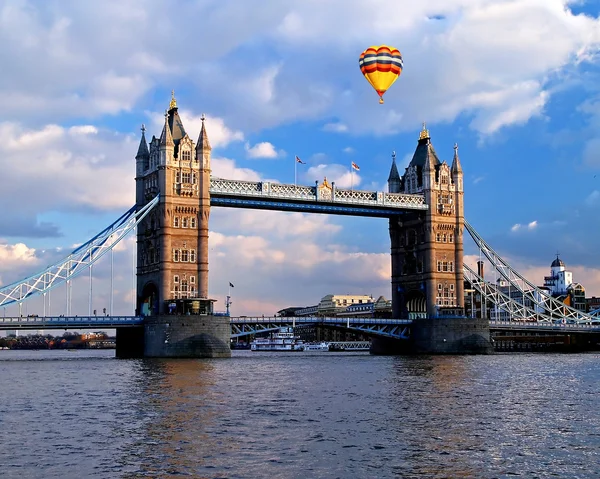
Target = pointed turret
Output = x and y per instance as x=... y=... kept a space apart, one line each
x=456 y=168
x=203 y=143
x=166 y=139
x=143 y=152
x=175 y=124
x=394 y=178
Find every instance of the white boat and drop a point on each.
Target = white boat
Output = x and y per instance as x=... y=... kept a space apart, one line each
x=322 y=346
x=282 y=340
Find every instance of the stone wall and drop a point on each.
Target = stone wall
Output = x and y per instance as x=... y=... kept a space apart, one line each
x=190 y=336
x=440 y=336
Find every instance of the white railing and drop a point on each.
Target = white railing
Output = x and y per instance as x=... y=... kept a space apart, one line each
x=325 y=194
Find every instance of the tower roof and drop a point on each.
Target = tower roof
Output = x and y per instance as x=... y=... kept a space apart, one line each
x=456 y=168
x=394 y=175
x=203 y=143
x=425 y=153
x=166 y=139
x=557 y=263
x=175 y=123
x=143 y=148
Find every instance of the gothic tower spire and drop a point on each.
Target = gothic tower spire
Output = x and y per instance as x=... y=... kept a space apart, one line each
x=166 y=139
x=456 y=168
x=394 y=178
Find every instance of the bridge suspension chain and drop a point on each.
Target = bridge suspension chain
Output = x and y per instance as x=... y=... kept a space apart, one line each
x=554 y=308
x=514 y=308
x=78 y=260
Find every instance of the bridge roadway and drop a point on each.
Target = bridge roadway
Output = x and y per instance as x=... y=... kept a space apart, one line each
x=246 y=326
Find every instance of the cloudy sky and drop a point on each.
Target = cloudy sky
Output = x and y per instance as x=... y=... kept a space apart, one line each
x=516 y=83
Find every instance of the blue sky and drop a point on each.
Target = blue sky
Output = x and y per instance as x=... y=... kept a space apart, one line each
x=515 y=83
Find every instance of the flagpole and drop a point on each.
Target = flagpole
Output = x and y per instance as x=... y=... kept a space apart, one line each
x=295 y=169
x=351 y=178
x=228 y=302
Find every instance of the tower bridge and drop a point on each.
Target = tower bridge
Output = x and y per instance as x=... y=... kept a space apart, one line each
x=174 y=313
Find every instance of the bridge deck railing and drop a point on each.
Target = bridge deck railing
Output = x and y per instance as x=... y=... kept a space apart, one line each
x=265 y=189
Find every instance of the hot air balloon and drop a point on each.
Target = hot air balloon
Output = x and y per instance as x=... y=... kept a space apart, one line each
x=381 y=66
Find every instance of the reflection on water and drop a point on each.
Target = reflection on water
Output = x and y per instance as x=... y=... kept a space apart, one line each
x=280 y=415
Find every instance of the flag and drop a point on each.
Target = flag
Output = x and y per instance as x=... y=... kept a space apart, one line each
x=355 y=166
x=298 y=160
x=231 y=285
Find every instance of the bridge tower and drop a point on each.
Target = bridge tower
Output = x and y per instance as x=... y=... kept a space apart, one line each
x=172 y=241
x=427 y=247
x=427 y=260
x=172 y=249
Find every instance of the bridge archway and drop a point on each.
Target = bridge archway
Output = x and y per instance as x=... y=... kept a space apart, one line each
x=148 y=301
x=416 y=305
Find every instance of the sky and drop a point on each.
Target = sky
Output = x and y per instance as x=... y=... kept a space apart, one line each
x=515 y=83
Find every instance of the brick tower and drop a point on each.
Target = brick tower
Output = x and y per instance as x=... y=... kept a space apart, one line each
x=427 y=247
x=172 y=241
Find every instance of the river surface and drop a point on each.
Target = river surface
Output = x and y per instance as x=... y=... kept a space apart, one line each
x=86 y=414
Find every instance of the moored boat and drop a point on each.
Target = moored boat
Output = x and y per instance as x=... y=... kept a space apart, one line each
x=282 y=340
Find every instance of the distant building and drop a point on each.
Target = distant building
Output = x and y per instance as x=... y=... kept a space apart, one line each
x=332 y=304
x=593 y=303
x=561 y=286
x=343 y=305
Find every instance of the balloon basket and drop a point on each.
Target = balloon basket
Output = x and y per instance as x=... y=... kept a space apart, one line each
x=381 y=101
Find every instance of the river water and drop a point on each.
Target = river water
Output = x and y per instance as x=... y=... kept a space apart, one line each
x=85 y=414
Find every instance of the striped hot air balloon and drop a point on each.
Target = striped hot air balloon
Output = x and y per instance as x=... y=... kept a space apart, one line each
x=381 y=66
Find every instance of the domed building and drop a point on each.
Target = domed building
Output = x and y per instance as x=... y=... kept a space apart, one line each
x=561 y=286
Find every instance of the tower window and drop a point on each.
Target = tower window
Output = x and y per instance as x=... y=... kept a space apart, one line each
x=184 y=255
x=444 y=238
x=192 y=222
x=185 y=177
x=176 y=255
x=176 y=278
x=192 y=279
x=178 y=177
x=176 y=221
x=184 y=222
x=186 y=155
x=192 y=256
x=451 y=287
x=451 y=238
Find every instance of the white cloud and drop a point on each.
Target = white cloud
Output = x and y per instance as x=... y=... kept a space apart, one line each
x=348 y=150
x=263 y=149
x=529 y=226
x=341 y=175
x=64 y=63
x=335 y=127
x=592 y=198
x=219 y=134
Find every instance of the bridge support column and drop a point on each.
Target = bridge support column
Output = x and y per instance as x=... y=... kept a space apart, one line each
x=440 y=336
x=187 y=336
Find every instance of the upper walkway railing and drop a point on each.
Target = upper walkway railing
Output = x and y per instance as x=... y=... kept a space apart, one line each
x=265 y=191
x=69 y=322
x=243 y=326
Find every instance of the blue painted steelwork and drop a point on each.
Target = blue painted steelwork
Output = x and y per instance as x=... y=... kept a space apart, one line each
x=70 y=322
x=269 y=204
x=77 y=261
x=393 y=328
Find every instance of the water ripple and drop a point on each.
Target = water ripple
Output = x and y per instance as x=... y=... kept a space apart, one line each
x=86 y=414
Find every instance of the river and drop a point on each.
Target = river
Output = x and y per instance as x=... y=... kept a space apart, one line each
x=76 y=414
